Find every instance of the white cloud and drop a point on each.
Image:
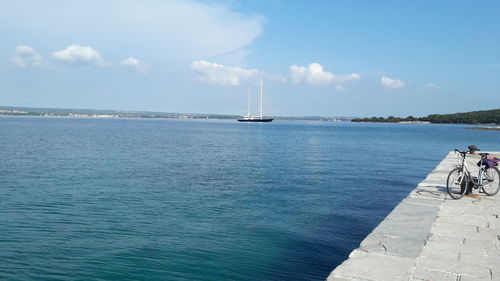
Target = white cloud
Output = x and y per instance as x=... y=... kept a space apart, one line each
x=391 y=83
x=25 y=56
x=315 y=75
x=79 y=54
x=139 y=66
x=430 y=86
x=199 y=29
x=217 y=30
x=221 y=74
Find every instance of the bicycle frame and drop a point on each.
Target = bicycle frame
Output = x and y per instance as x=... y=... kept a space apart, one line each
x=465 y=169
x=477 y=181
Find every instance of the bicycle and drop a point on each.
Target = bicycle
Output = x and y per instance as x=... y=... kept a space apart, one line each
x=488 y=178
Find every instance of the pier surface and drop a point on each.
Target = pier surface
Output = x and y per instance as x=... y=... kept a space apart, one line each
x=430 y=236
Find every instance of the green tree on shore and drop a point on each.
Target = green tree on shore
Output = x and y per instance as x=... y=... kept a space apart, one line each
x=474 y=117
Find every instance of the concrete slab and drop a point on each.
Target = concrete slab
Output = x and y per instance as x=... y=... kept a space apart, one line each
x=367 y=267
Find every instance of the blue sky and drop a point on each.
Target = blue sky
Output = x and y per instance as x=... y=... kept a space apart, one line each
x=330 y=58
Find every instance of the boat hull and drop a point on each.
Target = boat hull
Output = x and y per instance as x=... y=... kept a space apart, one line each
x=255 y=120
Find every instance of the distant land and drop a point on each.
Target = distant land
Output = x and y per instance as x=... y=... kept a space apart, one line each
x=473 y=117
x=491 y=117
x=98 y=113
x=485 y=128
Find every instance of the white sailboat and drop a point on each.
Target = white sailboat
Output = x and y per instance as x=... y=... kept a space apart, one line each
x=257 y=118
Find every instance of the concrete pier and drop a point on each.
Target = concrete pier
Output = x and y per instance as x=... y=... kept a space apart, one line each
x=429 y=236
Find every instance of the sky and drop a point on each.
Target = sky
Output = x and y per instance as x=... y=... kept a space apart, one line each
x=316 y=58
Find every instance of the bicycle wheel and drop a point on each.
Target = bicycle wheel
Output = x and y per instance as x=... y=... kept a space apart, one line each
x=491 y=181
x=457 y=183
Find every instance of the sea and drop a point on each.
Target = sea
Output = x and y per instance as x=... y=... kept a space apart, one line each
x=169 y=199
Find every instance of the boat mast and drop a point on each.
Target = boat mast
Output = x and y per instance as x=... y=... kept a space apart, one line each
x=248 y=115
x=261 y=94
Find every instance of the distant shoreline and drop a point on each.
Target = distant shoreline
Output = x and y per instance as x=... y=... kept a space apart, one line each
x=485 y=128
x=95 y=113
x=482 y=118
x=235 y=118
x=429 y=122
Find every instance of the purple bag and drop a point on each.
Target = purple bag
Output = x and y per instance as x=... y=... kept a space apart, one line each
x=489 y=163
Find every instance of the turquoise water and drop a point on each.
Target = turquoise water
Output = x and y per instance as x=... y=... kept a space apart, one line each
x=137 y=199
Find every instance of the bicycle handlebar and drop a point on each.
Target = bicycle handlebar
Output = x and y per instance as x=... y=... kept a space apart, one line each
x=463 y=153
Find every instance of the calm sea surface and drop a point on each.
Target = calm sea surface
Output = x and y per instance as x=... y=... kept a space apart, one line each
x=128 y=199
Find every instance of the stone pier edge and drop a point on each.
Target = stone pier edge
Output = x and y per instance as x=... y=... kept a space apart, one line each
x=392 y=251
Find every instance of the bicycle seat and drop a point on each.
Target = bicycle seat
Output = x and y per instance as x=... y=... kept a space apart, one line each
x=484 y=154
